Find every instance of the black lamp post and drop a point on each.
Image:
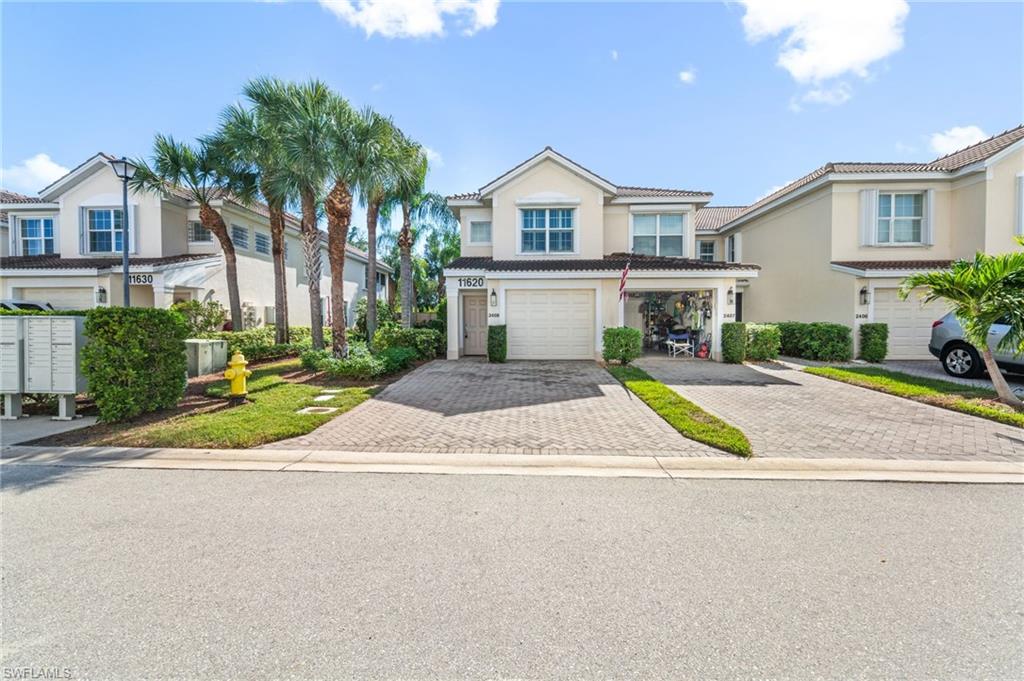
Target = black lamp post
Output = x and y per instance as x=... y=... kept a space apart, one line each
x=125 y=170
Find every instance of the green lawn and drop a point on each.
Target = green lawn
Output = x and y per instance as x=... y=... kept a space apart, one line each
x=268 y=416
x=963 y=398
x=690 y=420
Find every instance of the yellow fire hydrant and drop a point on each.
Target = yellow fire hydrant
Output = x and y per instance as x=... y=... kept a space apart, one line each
x=237 y=373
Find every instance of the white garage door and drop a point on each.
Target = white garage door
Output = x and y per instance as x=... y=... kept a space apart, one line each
x=60 y=298
x=550 y=324
x=910 y=324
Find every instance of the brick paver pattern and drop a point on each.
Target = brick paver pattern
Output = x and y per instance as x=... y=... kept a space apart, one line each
x=787 y=413
x=470 y=406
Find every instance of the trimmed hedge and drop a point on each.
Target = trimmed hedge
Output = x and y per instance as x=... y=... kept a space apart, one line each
x=360 y=364
x=822 y=341
x=622 y=344
x=763 y=341
x=497 y=343
x=134 y=360
x=37 y=313
x=428 y=343
x=734 y=342
x=258 y=343
x=874 y=341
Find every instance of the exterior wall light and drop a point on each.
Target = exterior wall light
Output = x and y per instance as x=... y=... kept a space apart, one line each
x=101 y=296
x=730 y=297
x=494 y=298
x=865 y=295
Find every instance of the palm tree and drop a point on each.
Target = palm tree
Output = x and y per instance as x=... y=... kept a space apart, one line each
x=205 y=176
x=407 y=189
x=443 y=245
x=253 y=138
x=981 y=292
x=302 y=115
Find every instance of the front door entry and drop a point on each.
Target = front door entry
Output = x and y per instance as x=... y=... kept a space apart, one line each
x=474 y=319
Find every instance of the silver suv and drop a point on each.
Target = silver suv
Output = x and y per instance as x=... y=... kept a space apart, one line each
x=959 y=358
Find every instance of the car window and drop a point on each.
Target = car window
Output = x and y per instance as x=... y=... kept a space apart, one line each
x=1005 y=321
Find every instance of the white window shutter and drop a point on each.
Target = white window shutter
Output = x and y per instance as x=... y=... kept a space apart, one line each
x=739 y=247
x=83 y=245
x=927 y=229
x=868 y=216
x=1020 y=205
x=133 y=228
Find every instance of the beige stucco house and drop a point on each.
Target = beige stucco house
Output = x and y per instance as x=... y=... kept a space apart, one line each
x=64 y=247
x=544 y=247
x=835 y=244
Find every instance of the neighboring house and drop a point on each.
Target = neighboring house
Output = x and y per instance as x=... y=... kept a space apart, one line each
x=543 y=250
x=64 y=248
x=837 y=243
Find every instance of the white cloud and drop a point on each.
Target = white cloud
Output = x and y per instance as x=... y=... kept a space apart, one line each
x=415 y=18
x=433 y=157
x=830 y=95
x=773 y=190
x=615 y=55
x=956 y=138
x=376 y=87
x=32 y=174
x=688 y=76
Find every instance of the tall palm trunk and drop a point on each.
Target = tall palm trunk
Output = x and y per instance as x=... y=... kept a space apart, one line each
x=311 y=251
x=405 y=270
x=1006 y=395
x=280 y=276
x=338 y=207
x=372 y=213
x=211 y=220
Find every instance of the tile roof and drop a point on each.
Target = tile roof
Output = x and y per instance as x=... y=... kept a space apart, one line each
x=656 y=192
x=710 y=218
x=56 y=262
x=894 y=264
x=615 y=262
x=949 y=163
x=14 y=197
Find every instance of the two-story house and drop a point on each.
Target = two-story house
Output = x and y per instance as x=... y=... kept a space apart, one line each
x=836 y=244
x=64 y=247
x=545 y=247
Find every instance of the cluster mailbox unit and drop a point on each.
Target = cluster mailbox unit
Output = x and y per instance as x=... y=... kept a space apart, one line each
x=41 y=354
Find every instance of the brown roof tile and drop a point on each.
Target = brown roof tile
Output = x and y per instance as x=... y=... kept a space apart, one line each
x=56 y=262
x=710 y=218
x=615 y=262
x=15 y=197
x=894 y=264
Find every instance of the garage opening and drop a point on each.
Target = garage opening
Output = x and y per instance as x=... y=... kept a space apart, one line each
x=550 y=323
x=674 y=323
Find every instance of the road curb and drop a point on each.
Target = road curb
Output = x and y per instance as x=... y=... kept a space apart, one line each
x=285 y=460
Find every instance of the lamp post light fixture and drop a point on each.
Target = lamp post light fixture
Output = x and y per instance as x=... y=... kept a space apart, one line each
x=125 y=170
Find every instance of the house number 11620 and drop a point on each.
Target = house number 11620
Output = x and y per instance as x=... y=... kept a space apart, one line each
x=471 y=282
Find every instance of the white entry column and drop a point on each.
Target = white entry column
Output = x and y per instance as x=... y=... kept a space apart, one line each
x=454 y=320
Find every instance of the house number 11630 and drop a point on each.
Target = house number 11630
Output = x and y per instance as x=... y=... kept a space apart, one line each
x=471 y=282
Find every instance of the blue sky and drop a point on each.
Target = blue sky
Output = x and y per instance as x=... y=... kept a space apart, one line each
x=735 y=98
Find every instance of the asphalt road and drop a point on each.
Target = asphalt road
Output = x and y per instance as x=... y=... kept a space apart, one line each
x=197 y=574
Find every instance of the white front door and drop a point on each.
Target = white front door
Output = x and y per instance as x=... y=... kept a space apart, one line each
x=910 y=324
x=474 y=318
x=550 y=324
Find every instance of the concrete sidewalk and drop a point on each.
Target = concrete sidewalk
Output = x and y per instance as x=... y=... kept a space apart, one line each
x=285 y=460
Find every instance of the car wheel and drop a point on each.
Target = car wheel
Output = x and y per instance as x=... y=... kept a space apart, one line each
x=961 y=361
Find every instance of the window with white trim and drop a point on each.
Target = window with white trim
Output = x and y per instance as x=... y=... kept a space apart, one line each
x=658 y=233
x=900 y=218
x=104 y=230
x=479 y=232
x=262 y=243
x=547 y=230
x=37 y=237
x=706 y=250
x=240 y=236
x=199 y=234
x=730 y=248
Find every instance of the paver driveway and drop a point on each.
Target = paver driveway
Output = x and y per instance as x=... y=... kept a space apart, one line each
x=518 y=407
x=788 y=413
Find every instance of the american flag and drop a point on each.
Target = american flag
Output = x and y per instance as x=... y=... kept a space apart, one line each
x=622 y=281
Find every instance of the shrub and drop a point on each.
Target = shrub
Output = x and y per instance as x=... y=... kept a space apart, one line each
x=426 y=342
x=622 y=344
x=134 y=360
x=201 y=317
x=258 y=343
x=386 y=314
x=792 y=336
x=359 y=367
x=311 y=360
x=763 y=341
x=830 y=342
x=734 y=342
x=497 y=343
x=36 y=313
x=874 y=342
x=397 y=358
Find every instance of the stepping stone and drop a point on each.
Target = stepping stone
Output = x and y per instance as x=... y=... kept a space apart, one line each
x=323 y=398
x=331 y=391
x=317 y=410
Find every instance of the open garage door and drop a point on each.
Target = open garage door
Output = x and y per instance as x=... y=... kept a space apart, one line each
x=550 y=324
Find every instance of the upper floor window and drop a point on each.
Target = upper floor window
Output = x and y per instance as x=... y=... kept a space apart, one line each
x=262 y=243
x=547 y=230
x=658 y=234
x=479 y=232
x=37 y=236
x=199 y=234
x=381 y=278
x=706 y=251
x=240 y=236
x=730 y=248
x=104 y=229
x=900 y=218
